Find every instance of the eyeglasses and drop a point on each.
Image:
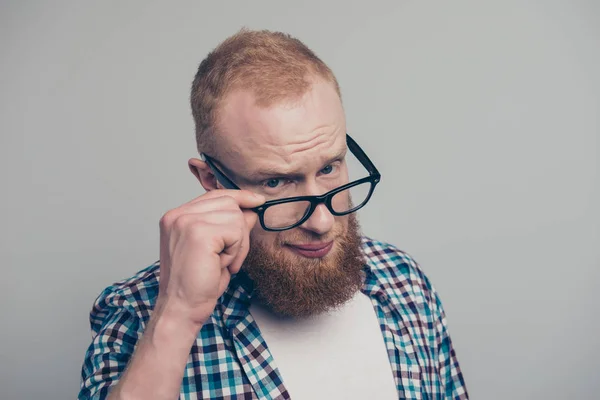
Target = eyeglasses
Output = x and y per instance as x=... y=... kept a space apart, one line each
x=288 y=213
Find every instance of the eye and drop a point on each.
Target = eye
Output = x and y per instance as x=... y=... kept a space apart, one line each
x=272 y=183
x=327 y=170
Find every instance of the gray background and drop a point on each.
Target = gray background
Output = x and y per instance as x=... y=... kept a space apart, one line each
x=482 y=116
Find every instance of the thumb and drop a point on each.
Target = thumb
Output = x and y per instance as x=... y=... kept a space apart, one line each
x=251 y=218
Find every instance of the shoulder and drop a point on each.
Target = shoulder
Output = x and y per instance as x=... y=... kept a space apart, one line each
x=135 y=295
x=398 y=274
x=390 y=263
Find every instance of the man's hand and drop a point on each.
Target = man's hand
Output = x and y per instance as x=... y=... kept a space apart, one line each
x=202 y=243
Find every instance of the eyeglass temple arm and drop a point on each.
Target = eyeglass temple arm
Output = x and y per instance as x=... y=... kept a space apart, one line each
x=361 y=156
x=221 y=177
x=352 y=145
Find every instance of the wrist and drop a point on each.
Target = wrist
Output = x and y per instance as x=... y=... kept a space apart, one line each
x=171 y=321
x=158 y=363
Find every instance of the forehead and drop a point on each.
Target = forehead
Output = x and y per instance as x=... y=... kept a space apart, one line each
x=291 y=136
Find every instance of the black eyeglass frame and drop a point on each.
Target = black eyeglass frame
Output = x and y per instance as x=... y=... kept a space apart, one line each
x=374 y=178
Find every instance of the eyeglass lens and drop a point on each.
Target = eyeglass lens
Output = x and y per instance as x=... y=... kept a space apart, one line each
x=288 y=214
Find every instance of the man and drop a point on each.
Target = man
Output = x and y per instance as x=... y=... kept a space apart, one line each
x=265 y=288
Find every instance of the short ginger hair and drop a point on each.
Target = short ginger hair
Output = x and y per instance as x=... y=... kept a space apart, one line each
x=274 y=66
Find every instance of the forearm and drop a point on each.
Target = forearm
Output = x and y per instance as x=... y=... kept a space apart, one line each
x=156 y=368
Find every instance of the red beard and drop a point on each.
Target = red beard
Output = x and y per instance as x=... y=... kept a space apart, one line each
x=292 y=286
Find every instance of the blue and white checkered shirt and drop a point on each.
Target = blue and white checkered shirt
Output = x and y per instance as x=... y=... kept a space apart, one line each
x=230 y=359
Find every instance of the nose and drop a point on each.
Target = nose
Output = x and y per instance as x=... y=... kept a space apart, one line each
x=320 y=222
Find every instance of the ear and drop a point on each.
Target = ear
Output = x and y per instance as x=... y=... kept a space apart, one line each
x=203 y=173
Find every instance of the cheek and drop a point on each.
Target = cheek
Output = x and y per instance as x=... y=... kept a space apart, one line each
x=343 y=222
x=259 y=235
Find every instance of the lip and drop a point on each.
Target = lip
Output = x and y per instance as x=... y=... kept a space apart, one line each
x=313 y=250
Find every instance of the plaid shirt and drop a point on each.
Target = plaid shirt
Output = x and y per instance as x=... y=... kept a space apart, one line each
x=230 y=359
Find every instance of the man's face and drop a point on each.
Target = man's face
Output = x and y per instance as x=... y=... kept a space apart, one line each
x=293 y=149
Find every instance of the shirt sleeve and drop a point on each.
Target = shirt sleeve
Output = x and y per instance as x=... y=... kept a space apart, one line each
x=450 y=374
x=115 y=332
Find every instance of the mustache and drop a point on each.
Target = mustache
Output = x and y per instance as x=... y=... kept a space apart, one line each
x=338 y=233
x=308 y=237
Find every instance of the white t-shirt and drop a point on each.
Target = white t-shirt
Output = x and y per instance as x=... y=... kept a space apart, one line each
x=336 y=355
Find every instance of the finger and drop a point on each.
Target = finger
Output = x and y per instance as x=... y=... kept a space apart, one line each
x=250 y=218
x=213 y=231
x=242 y=252
x=232 y=257
x=235 y=254
x=244 y=198
x=221 y=203
x=222 y=219
x=206 y=205
x=218 y=204
x=224 y=280
x=227 y=233
x=229 y=254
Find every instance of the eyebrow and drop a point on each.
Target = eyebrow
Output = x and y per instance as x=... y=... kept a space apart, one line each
x=274 y=172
